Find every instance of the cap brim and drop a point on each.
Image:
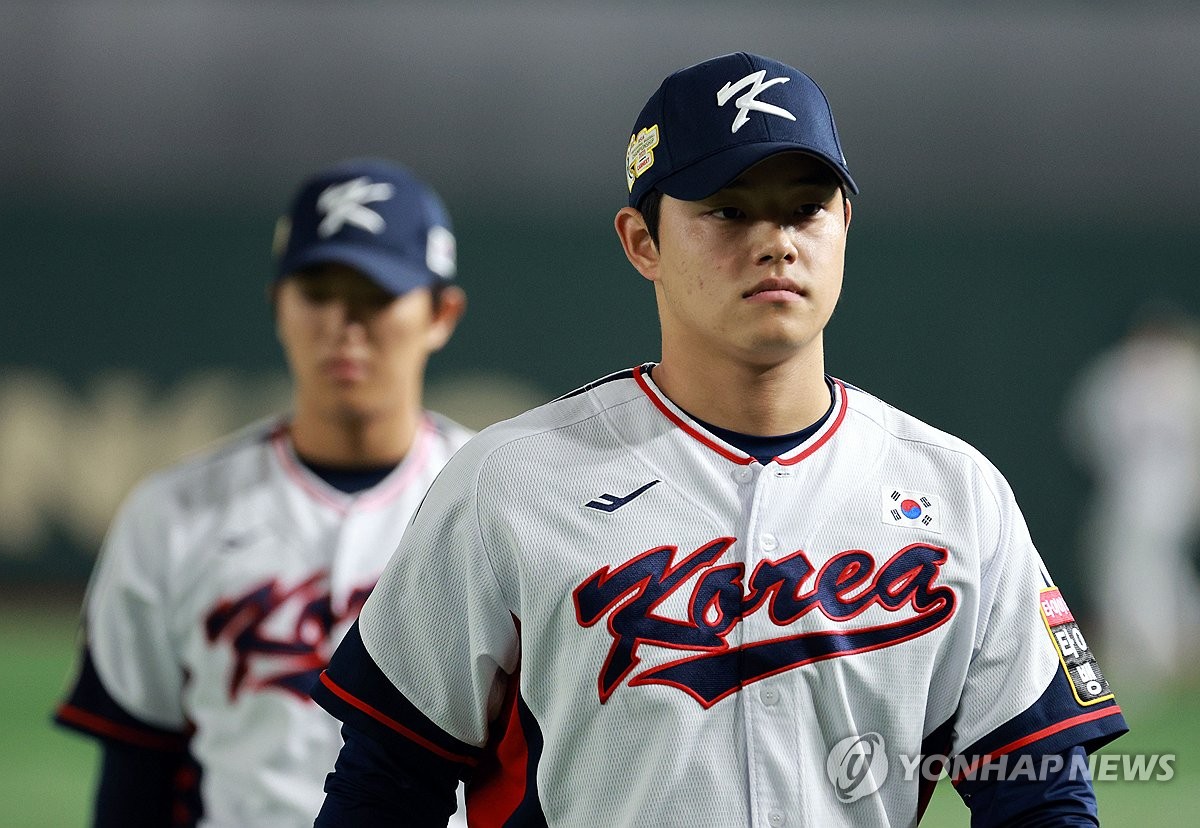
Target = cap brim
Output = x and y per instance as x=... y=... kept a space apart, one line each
x=390 y=273
x=708 y=175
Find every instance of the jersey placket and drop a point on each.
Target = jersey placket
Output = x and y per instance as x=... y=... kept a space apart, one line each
x=767 y=703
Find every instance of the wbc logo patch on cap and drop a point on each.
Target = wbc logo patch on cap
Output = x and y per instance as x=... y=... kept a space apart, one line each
x=640 y=155
x=912 y=509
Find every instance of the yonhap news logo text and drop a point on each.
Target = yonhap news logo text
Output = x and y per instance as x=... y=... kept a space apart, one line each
x=858 y=766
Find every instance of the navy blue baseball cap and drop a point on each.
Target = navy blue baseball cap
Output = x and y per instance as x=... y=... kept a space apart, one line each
x=373 y=215
x=709 y=122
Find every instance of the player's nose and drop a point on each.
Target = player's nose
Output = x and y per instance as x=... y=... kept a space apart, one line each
x=773 y=242
x=346 y=318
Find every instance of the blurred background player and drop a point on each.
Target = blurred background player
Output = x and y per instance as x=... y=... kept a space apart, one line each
x=1133 y=422
x=225 y=581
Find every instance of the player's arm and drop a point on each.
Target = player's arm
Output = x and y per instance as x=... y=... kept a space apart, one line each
x=143 y=777
x=423 y=680
x=393 y=760
x=127 y=693
x=1034 y=696
x=1062 y=799
x=137 y=786
x=370 y=785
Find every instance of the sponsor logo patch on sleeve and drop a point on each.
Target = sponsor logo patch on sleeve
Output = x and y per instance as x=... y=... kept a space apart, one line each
x=1087 y=682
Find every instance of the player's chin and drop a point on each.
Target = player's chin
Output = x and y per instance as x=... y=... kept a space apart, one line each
x=355 y=404
x=774 y=347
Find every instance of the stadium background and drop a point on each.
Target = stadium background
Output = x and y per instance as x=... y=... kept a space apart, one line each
x=1028 y=178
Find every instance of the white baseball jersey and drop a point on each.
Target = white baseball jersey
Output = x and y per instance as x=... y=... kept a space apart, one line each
x=222 y=588
x=617 y=618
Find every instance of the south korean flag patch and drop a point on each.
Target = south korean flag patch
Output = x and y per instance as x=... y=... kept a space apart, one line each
x=1087 y=682
x=914 y=510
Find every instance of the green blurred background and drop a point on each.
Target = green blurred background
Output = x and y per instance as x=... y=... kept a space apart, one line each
x=1028 y=179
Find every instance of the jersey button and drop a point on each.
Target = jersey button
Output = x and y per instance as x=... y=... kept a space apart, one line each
x=768 y=541
x=743 y=474
x=776 y=818
x=769 y=696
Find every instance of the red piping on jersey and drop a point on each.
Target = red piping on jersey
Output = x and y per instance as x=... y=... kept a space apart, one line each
x=388 y=721
x=414 y=462
x=498 y=791
x=740 y=459
x=101 y=726
x=829 y=429
x=1050 y=730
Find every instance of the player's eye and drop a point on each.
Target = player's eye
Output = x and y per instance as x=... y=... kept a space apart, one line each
x=810 y=210
x=373 y=300
x=728 y=213
x=316 y=291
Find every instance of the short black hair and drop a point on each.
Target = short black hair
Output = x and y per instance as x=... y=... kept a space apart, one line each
x=650 y=207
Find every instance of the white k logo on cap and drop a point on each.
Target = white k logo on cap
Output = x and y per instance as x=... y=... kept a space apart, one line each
x=344 y=203
x=749 y=100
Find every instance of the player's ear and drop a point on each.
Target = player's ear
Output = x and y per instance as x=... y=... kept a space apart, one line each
x=273 y=291
x=636 y=241
x=846 y=209
x=448 y=307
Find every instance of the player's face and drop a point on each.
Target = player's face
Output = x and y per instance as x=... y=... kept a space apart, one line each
x=753 y=273
x=355 y=351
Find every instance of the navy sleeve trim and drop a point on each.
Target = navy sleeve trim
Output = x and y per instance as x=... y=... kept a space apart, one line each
x=354 y=690
x=349 y=698
x=92 y=711
x=1053 y=724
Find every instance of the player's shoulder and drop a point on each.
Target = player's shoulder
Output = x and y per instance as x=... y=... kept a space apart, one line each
x=450 y=433
x=553 y=429
x=218 y=469
x=910 y=433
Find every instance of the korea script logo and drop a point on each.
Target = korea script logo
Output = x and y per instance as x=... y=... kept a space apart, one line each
x=280 y=635
x=848 y=585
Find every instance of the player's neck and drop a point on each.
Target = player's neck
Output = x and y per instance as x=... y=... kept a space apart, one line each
x=346 y=441
x=762 y=400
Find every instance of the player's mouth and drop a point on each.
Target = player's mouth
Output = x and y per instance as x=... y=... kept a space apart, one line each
x=775 y=289
x=344 y=369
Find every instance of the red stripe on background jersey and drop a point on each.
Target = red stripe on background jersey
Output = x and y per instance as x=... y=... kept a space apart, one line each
x=499 y=786
x=98 y=725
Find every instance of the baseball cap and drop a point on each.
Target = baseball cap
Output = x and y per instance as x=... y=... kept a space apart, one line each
x=707 y=123
x=373 y=215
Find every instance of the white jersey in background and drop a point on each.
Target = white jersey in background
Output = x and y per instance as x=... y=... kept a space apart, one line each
x=223 y=586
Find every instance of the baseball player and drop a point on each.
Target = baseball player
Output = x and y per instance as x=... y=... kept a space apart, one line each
x=724 y=588
x=225 y=581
